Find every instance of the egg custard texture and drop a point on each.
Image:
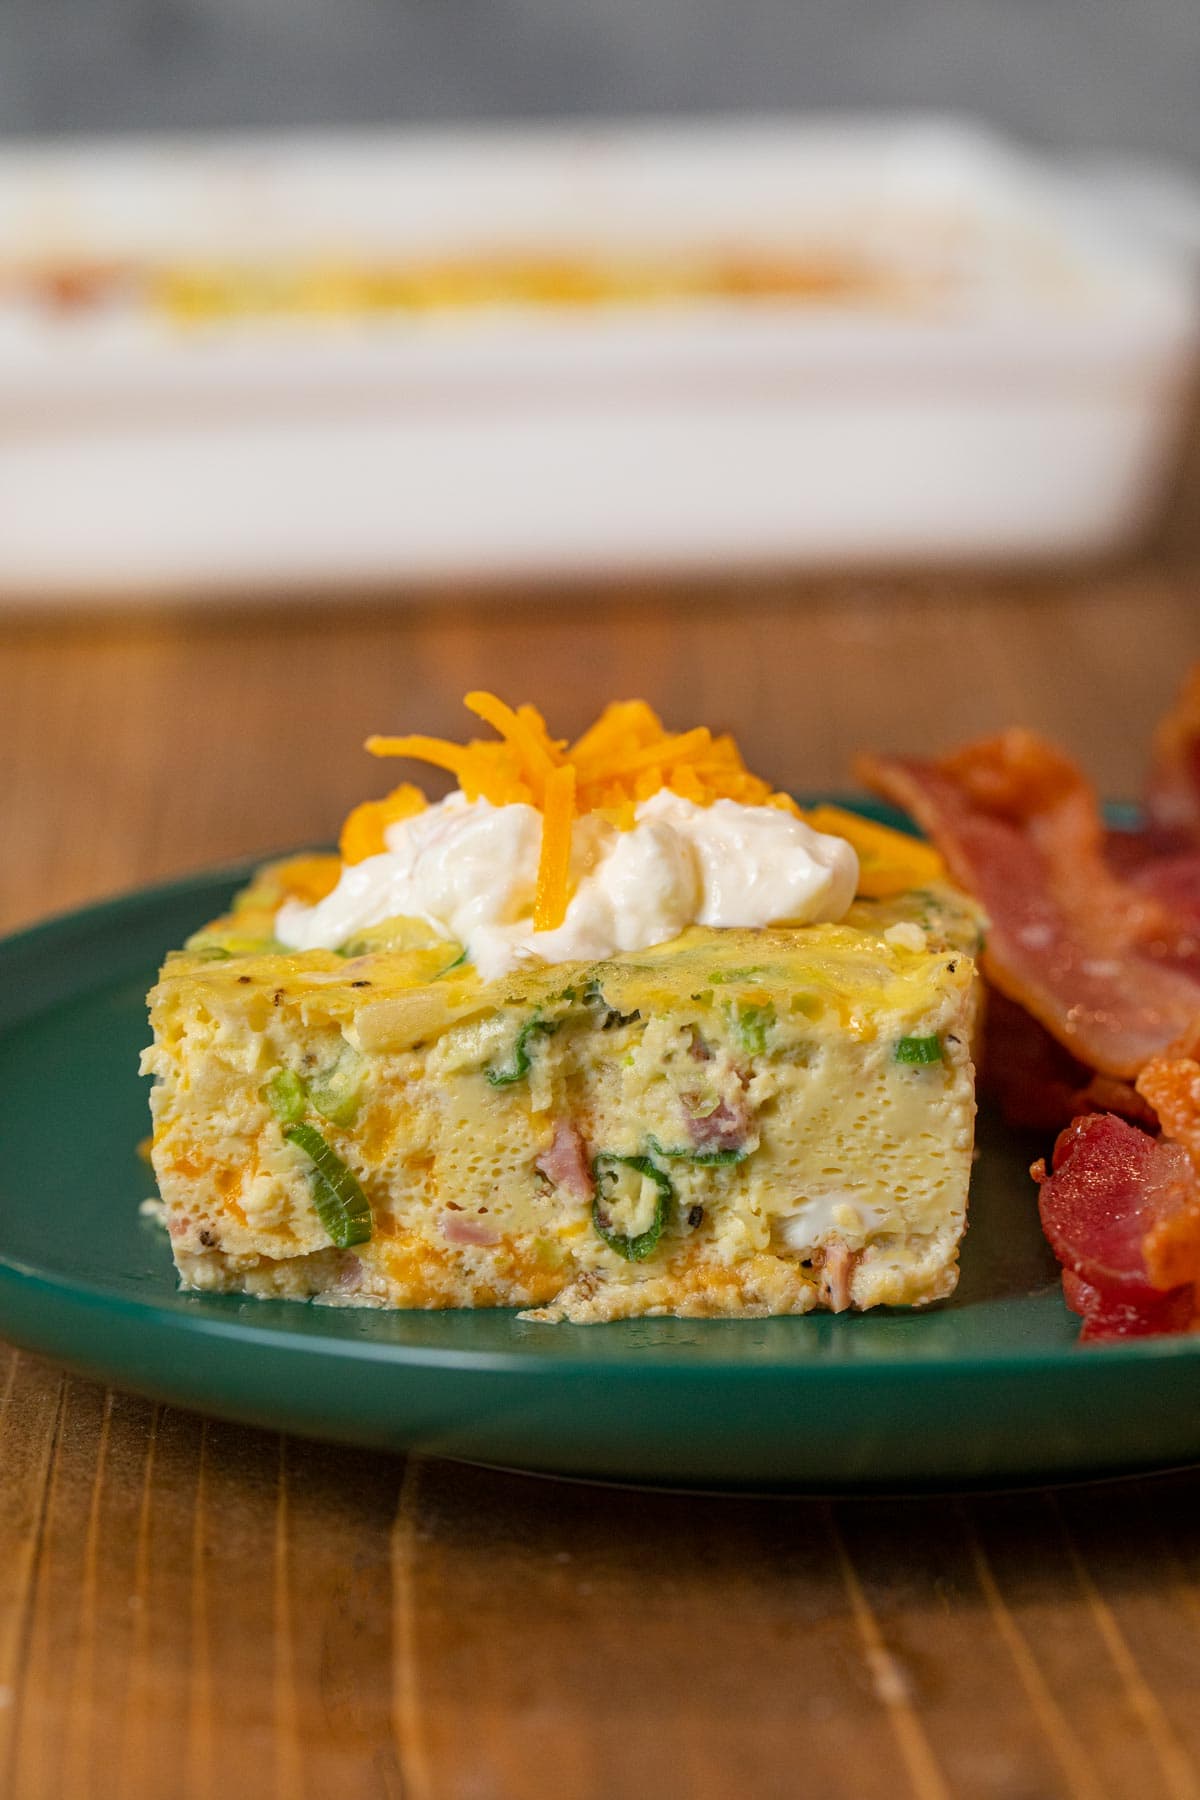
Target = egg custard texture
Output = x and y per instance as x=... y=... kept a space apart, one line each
x=735 y=1123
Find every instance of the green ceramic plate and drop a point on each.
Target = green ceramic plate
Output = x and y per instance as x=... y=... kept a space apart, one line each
x=990 y=1387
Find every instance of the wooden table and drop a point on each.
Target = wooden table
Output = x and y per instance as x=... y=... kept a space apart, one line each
x=191 y=1608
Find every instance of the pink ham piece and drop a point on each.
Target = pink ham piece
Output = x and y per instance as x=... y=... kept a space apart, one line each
x=565 y=1163
x=350 y=1276
x=724 y=1128
x=1121 y=1211
x=837 y=1271
x=458 y=1229
x=1103 y=965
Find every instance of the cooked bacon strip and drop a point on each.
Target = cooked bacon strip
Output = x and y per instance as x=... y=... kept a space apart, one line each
x=1172 y=1088
x=1173 y=791
x=1101 y=964
x=1121 y=1211
x=1166 y=868
x=1038 y=1085
x=1110 y=1188
x=1173 y=883
x=1033 y=1080
x=1110 y=1315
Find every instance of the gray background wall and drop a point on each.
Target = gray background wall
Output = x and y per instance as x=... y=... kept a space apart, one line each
x=1076 y=72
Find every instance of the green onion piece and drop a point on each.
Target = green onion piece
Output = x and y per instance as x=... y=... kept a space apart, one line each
x=752 y=1024
x=341 y=1205
x=720 y=976
x=336 y=1093
x=518 y=1068
x=458 y=962
x=709 y=1159
x=231 y=943
x=606 y=1170
x=919 y=1050
x=286 y=1096
x=607 y=1016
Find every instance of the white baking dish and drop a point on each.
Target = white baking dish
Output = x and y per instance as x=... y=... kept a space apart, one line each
x=1024 y=403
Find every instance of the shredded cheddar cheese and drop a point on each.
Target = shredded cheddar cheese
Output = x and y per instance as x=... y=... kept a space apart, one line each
x=624 y=758
x=554 y=864
x=888 y=861
x=525 y=733
x=362 y=834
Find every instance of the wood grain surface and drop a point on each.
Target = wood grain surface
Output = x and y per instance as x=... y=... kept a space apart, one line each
x=191 y=1608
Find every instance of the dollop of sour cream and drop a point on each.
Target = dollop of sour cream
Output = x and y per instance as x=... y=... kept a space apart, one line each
x=469 y=870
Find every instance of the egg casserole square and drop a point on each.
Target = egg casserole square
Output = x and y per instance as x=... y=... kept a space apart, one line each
x=737 y=1123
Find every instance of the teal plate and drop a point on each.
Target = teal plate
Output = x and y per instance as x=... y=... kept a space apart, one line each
x=990 y=1387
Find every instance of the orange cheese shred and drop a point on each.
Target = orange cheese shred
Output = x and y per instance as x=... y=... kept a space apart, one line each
x=622 y=723
x=622 y=759
x=438 y=751
x=363 y=832
x=525 y=732
x=689 y=746
x=554 y=863
x=483 y=771
x=888 y=861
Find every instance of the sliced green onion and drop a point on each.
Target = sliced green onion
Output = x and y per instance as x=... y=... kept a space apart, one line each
x=336 y=1093
x=342 y=1207
x=516 y=1070
x=919 y=1050
x=231 y=943
x=638 y=1246
x=609 y=1016
x=719 y=977
x=752 y=1024
x=286 y=1096
x=709 y=1159
x=458 y=962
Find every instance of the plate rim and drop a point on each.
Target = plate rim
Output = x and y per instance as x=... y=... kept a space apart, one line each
x=30 y=1281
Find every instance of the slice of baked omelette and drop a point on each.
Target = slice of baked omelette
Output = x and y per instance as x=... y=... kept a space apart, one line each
x=612 y=1030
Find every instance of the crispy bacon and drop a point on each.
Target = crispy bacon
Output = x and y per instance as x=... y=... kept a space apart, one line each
x=565 y=1162
x=1033 y=1080
x=1110 y=1315
x=1173 y=791
x=1094 y=959
x=1101 y=963
x=1173 y=882
x=1121 y=1211
x=1038 y=1085
x=1169 y=876
x=1172 y=1088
